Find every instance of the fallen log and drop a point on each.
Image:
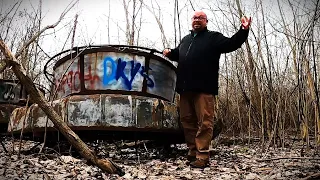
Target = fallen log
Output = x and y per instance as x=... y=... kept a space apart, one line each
x=37 y=97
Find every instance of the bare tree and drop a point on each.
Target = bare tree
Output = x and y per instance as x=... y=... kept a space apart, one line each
x=20 y=72
x=157 y=18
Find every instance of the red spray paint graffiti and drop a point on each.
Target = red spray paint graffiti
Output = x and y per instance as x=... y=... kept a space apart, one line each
x=68 y=82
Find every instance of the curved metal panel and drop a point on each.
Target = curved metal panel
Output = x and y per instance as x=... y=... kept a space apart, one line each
x=100 y=111
x=11 y=92
x=12 y=96
x=111 y=70
x=67 y=78
x=165 y=79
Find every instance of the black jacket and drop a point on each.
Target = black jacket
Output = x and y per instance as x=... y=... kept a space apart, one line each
x=198 y=57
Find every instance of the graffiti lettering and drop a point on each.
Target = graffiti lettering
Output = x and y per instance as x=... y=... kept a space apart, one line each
x=120 y=72
x=92 y=78
x=9 y=92
x=107 y=78
x=102 y=71
x=68 y=82
x=150 y=82
x=117 y=71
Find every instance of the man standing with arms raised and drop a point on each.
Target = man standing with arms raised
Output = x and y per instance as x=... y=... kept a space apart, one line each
x=198 y=57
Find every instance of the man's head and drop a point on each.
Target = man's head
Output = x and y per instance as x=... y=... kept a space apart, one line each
x=199 y=21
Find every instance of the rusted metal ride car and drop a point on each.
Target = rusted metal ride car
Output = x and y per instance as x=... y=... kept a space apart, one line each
x=12 y=96
x=111 y=92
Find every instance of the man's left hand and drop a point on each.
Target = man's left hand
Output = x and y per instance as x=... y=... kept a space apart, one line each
x=245 y=22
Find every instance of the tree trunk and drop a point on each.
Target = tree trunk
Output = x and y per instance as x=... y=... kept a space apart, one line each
x=38 y=98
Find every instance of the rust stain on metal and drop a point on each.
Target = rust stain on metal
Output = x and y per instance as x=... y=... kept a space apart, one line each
x=40 y=118
x=156 y=113
x=110 y=88
x=83 y=111
x=118 y=111
x=34 y=117
x=105 y=111
x=144 y=113
x=20 y=115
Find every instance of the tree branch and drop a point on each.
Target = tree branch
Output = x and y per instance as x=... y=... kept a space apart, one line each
x=44 y=29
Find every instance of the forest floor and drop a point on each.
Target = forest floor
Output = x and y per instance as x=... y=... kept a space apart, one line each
x=230 y=159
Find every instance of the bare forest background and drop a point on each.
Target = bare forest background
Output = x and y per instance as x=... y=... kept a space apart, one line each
x=269 y=88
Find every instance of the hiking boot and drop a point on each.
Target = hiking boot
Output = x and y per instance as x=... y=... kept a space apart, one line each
x=191 y=158
x=200 y=163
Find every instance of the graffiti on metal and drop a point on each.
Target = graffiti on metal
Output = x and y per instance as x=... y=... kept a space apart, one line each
x=103 y=111
x=115 y=71
x=67 y=78
x=165 y=79
x=11 y=92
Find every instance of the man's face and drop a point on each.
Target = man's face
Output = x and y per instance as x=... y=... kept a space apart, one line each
x=199 y=21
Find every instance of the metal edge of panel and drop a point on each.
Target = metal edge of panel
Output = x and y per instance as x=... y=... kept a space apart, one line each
x=88 y=50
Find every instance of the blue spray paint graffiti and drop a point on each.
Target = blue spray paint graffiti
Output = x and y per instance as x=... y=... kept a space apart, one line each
x=106 y=78
x=117 y=71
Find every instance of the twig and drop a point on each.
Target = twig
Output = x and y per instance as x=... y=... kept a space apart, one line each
x=312 y=176
x=164 y=39
x=10 y=124
x=280 y=158
x=46 y=177
x=6 y=15
x=45 y=134
x=145 y=147
x=23 y=124
x=70 y=150
x=132 y=144
x=4 y=147
x=237 y=168
x=31 y=149
x=192 y=5
x=44 y=29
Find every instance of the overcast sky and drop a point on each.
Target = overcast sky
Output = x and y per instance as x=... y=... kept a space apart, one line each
x=93 y=15
x=93 y=20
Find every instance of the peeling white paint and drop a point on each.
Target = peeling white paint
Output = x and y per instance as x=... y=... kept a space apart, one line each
x=41 y=122
x=103 y=111
x=130 y=100
x=118 y=114
x=84 y=113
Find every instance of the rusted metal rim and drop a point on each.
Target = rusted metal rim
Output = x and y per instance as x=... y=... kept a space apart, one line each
x=102 y=112
x=152 y=65
x=135 y=50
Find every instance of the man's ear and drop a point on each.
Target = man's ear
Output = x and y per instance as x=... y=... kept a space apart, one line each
x=207 y=20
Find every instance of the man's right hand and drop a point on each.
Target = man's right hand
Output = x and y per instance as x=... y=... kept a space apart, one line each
x=166 y=52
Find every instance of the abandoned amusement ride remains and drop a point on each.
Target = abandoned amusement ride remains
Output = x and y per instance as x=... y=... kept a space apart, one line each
x=101 y=92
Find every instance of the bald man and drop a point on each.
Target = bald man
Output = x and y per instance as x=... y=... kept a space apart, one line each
x=198 y=57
